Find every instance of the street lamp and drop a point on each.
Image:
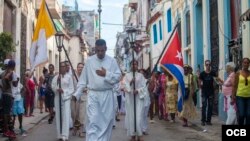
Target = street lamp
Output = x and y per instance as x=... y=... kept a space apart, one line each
x=83 y=49
x=100 y=11
x=59 y=42
x=131 y=37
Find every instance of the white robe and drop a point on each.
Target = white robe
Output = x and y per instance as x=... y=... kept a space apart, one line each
x=115 y=93
x=145 y=110
x=68 y=89
x=78 y=108
x=100 y=98
x=140 y=84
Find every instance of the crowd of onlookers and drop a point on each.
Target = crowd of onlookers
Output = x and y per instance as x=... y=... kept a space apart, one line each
x=17 y=99
x=11 y=102
x=158 y=90
x=163 y=90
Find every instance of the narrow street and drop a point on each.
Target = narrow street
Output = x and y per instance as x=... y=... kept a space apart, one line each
x=158 y=131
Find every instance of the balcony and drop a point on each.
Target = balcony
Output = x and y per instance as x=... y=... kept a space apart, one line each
x=54 y=7
x=133 y=4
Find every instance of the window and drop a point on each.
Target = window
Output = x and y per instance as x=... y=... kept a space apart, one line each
x=8 y=18
x=169 y=20
x=155 y=34
x=160 y=26
x=188 y=28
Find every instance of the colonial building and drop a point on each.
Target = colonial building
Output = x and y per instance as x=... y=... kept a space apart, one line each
x=135 y=14
x=19 y=18
x=160 y=26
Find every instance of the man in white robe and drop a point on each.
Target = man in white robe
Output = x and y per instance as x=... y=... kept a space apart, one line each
x=66 y=91
x=145 y=107
x=99 y=76
x=140 y=84
x=78 y=108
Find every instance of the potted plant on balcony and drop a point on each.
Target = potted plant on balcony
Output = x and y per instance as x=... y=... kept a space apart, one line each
x=6 y=46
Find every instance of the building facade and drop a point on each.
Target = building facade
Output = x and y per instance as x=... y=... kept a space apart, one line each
x=19 y=17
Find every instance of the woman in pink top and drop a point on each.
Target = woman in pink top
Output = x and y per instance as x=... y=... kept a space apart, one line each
x=227 y=86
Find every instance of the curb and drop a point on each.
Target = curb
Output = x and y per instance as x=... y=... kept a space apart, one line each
x=36 y=123
x=196 y=127
x=30 y=129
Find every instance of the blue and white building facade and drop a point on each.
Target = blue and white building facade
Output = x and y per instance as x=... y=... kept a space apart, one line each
x=160 y=26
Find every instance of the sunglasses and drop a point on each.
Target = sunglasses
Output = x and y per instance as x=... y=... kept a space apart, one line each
x=246 y=82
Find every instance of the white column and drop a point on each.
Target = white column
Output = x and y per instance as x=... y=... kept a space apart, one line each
x=18 y=40
x=206 y=30
x=221 y=38
x=192 y=30
x=1 y=15
x=183 y=35
x=245 y=30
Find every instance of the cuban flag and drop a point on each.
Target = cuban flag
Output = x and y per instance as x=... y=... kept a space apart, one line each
x=172 y=60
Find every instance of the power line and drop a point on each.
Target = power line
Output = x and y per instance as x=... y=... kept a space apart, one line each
x=114 y=24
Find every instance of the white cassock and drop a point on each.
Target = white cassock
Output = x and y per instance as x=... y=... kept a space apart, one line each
x=68 y=89
x=115 y=93
x=100 y=98
x=78 y=108
x=140 y=84
x=145 y=110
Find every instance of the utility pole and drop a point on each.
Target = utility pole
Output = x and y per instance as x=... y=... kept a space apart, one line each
x=99 y=11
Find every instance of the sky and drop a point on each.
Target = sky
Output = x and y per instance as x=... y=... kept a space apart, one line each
x=112 y=12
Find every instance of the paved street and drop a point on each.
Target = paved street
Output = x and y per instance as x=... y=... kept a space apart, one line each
x=159 y=131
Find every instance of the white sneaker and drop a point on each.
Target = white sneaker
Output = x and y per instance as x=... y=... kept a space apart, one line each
x=172 y=121
x=151 y=121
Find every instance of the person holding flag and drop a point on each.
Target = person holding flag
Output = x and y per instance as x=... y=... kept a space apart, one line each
x=38 y=52
x=188 y=111
x=171 y=60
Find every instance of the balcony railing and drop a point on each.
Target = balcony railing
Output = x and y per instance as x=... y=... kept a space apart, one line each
x=54 y=7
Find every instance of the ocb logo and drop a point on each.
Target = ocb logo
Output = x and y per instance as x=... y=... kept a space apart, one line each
x=236 y=132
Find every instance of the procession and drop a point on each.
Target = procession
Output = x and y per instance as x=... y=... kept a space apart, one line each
x=165 y=79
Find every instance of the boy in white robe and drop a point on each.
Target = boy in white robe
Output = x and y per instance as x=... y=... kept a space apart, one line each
x=99 y=76
x=66 y=91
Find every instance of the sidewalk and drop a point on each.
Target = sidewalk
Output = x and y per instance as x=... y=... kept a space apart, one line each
x=214 y=130
x=30 y=122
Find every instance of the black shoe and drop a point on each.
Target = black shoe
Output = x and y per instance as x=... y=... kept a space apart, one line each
x=50 y=121
x=203 y=123
x=209 y=123
x=117 y=119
